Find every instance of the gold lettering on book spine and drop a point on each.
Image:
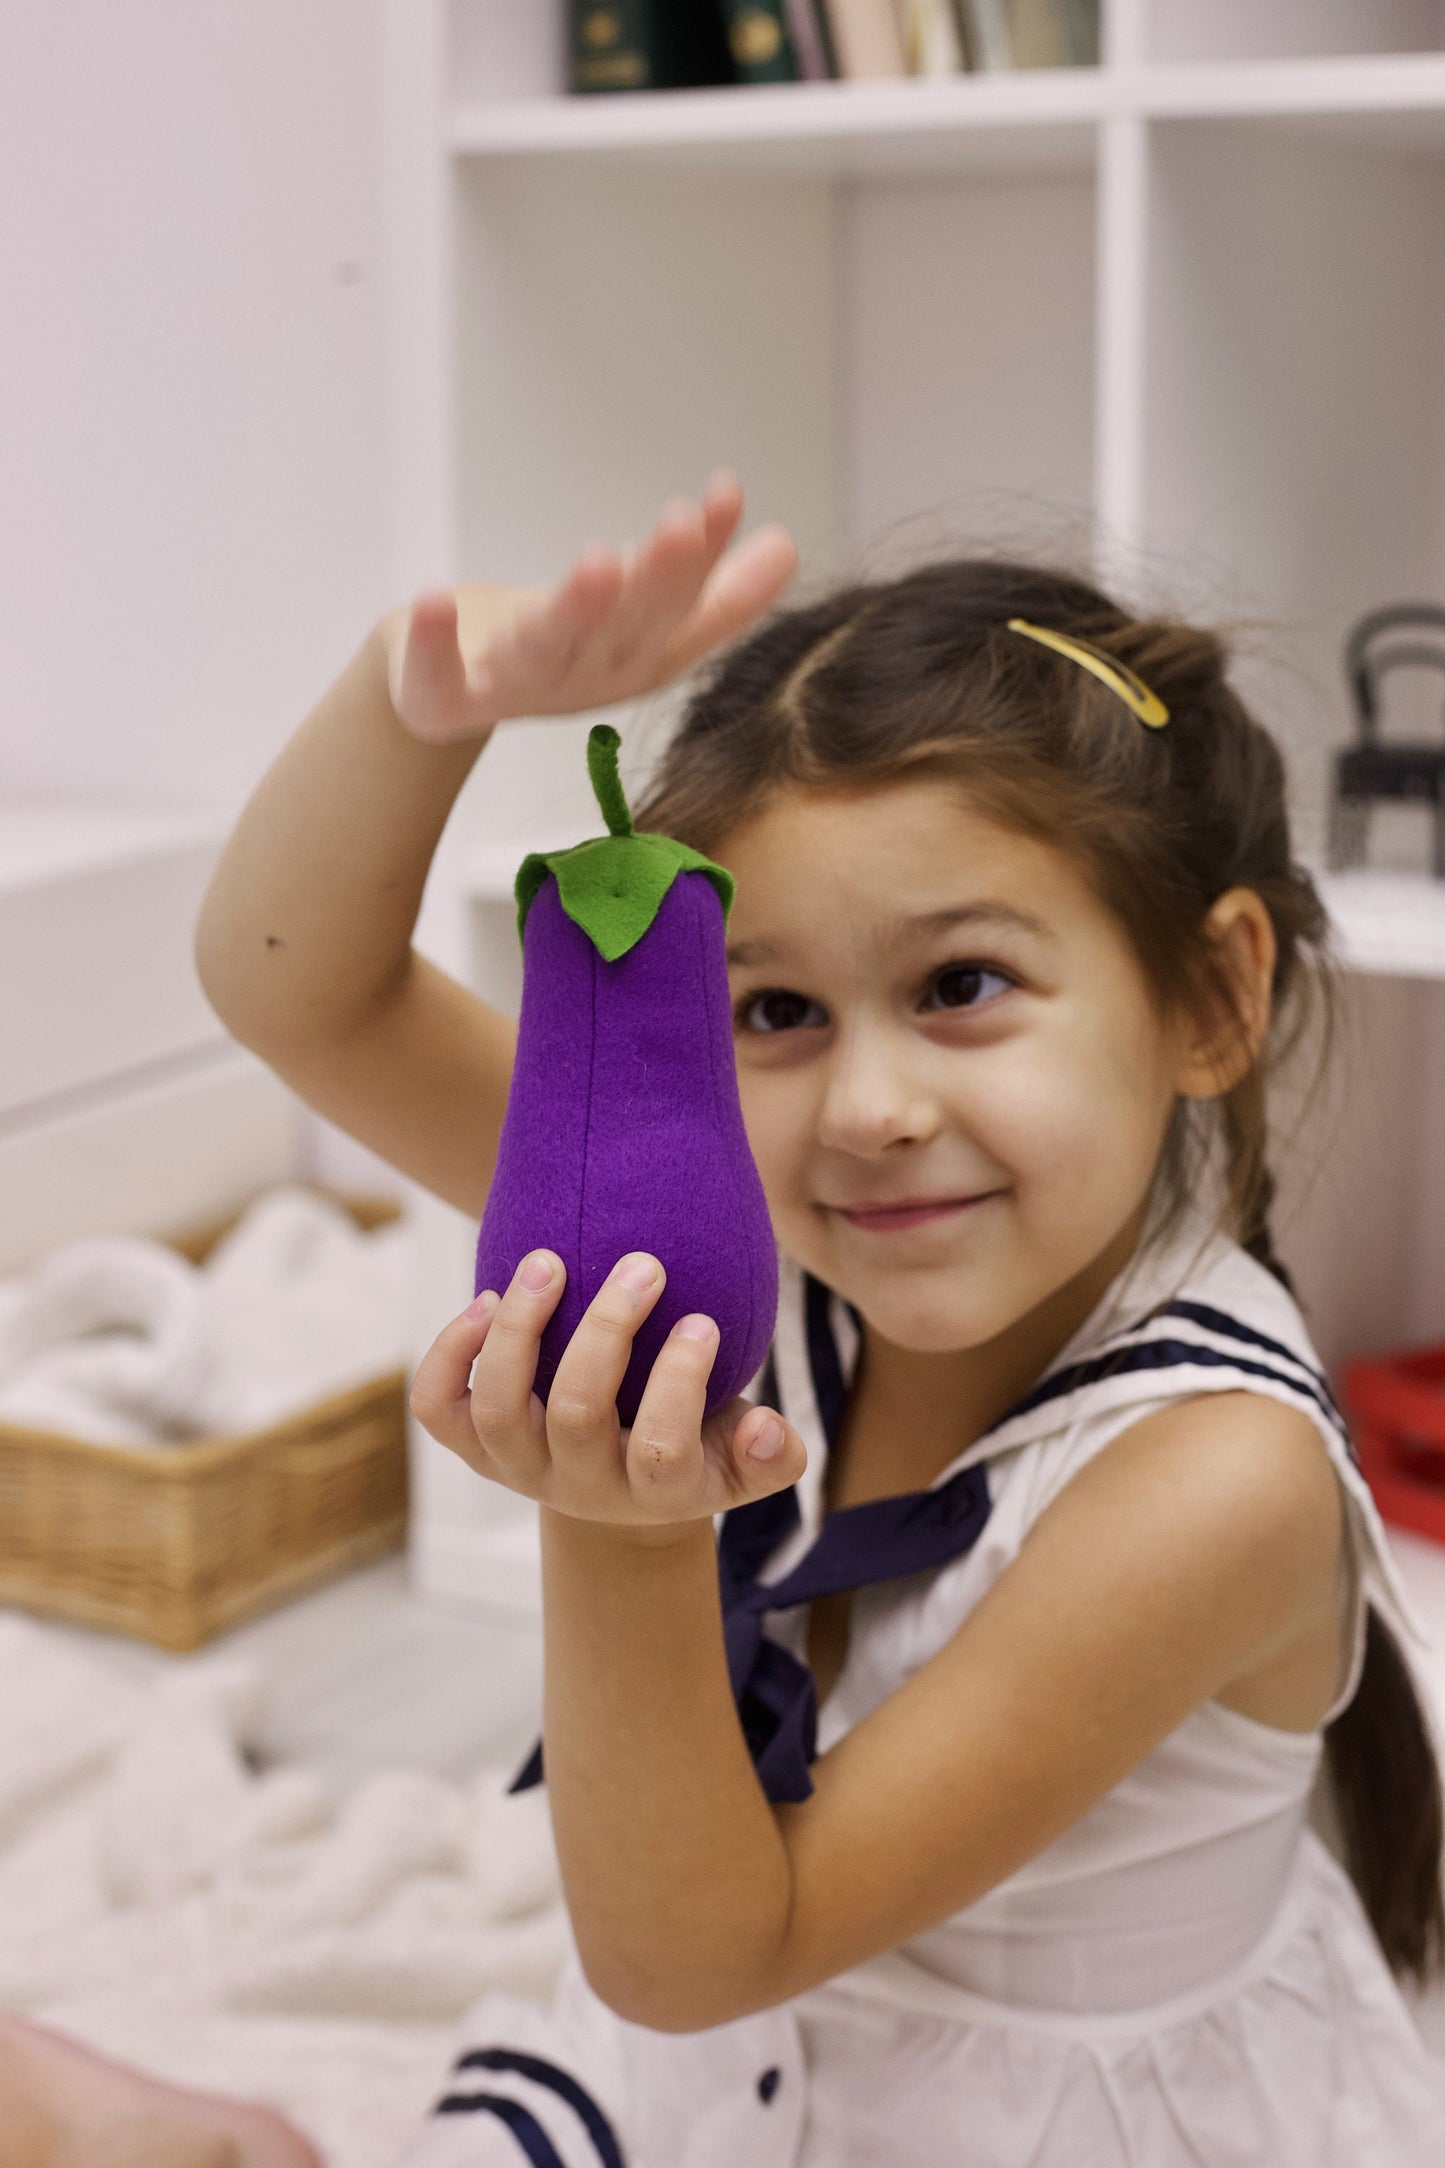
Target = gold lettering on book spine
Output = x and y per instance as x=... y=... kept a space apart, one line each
x=601 y=27
x=756 y=38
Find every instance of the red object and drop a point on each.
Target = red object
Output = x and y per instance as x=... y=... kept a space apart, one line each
x=1396 y=1409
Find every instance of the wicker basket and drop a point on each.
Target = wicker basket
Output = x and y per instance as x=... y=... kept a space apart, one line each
x=174 y=1543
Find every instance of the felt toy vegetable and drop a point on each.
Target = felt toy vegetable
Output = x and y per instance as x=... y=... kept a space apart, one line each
x=623 y=1129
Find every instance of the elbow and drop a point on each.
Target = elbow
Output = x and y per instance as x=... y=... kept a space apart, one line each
x=676 y=2001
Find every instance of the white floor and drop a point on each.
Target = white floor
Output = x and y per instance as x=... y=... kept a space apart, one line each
x=364 y=1674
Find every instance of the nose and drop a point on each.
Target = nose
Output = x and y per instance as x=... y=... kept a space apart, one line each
x=874 y=1095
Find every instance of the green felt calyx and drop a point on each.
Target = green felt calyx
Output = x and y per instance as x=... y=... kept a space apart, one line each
x=613 y=886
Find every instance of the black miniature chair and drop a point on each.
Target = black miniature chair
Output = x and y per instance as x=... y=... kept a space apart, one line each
x=1372 y=773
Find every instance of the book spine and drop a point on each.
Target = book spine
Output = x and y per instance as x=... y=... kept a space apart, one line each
x=1080 y=19
x=930 y=37
x=806 y=38
x=1054 y=33
x=963 y=31
x=867 y=38
x=611 y=45
x=990 y=42
x=758 y=40
x=825 y=35
x=690 y=40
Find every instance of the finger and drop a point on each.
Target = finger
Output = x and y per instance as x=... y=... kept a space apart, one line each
x=431 y=680
x=548 y=638
x=440 y=1396
x=744 y=585
x=722 y=508
x=766 y=1454
x=583 y=1430
x=663 y=581
x=507 y=1415
x=667 y=1470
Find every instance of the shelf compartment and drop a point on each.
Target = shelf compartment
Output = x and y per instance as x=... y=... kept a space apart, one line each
x=1245 y=29
x=1043 y=119
x=1391 y=101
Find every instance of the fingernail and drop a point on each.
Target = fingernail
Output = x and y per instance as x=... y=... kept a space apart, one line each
x=769 y=1441
x=478 y=1308
x=695 y=1328
x=639 y=1273
x=537 y=1271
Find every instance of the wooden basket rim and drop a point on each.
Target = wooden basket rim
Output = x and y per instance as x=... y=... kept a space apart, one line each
x=186 y=1455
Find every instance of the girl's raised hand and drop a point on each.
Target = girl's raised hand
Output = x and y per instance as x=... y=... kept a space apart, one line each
x=473 y=1393
x=461 y=660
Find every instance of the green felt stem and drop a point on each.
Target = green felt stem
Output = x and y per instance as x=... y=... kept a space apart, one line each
x=613 y=886
x=602 y=744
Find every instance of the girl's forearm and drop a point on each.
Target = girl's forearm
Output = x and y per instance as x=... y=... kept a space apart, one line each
x=308 y=920
x=676 y=1875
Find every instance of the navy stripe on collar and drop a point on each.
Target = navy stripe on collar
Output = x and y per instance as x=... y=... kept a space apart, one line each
x=1201 y=1313
x=1169 y=1354
x=523 y=2125
x=599 y=2130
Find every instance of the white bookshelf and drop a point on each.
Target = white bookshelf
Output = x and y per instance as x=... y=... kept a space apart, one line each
x=124 y=1106
x=1181 y=316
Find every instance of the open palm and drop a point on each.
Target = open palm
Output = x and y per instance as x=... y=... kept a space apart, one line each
x=620 y=624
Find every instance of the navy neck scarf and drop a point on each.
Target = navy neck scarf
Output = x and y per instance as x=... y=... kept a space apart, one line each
x=776 y=1699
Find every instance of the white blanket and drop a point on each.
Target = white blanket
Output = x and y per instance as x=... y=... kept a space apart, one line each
x=122 y=1341
x=248 y=1933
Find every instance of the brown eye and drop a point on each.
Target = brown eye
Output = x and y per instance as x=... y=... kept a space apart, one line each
x=969 y=976
x=779 y=1000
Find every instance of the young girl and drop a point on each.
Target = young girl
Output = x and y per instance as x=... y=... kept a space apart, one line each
x=949 y=1801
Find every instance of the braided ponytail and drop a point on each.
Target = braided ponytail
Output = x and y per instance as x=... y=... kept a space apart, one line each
x=1381 y=1755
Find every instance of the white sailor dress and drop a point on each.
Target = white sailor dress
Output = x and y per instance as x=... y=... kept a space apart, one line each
x=1184 y=1979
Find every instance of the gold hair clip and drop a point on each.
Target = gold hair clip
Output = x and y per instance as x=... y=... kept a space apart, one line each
x=1132 y=690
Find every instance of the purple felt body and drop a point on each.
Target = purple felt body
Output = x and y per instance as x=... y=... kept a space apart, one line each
x=624 y=1131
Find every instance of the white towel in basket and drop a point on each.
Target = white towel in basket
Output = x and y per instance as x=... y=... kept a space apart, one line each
x=122 y=1341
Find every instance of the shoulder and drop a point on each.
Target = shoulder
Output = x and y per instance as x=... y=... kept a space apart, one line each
x=1231 y=1488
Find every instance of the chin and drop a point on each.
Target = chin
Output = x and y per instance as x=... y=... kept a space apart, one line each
x=941 y=1322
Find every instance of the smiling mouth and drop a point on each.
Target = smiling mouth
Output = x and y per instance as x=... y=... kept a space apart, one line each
x=881 y=1221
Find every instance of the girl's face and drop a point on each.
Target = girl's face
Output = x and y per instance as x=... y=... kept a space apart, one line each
x=1013 y=1057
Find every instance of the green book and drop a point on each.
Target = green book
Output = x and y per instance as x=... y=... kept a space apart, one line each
x=647 y=45
x=762 y=51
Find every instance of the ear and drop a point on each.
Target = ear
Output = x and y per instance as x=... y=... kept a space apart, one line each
x=1214 y=1057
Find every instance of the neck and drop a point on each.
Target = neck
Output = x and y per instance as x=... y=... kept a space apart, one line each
x=933 y=1407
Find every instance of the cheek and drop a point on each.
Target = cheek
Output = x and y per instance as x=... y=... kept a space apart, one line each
x=1080 y=1121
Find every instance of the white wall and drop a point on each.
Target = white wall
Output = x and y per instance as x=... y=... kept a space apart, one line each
x=193 y=458
x=196 y=461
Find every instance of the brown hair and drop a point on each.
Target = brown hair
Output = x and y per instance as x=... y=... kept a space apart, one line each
x=884 y=681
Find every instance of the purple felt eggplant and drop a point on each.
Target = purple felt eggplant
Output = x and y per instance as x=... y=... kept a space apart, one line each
x=623 y=1128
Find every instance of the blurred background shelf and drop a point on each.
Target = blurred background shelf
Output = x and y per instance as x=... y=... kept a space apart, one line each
x=1389 y=923
x=1027 y=118
x=1032 y=118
